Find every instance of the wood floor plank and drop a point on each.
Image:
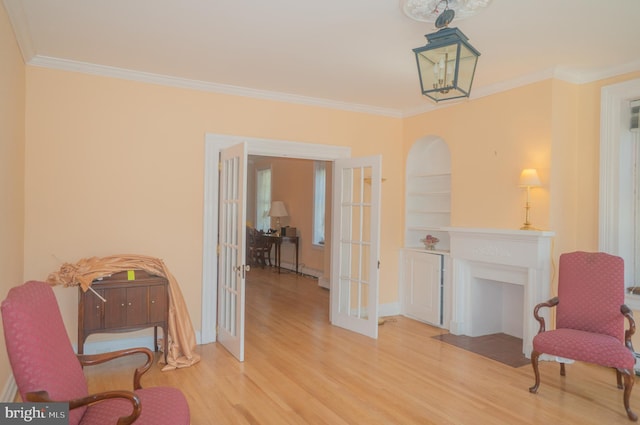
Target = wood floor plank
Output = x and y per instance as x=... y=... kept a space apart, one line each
x=299 y=369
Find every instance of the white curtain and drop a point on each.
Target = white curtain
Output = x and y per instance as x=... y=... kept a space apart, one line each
x=263 y=199
x=319 y=193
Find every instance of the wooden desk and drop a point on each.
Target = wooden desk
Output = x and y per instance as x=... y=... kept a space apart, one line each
x=276 y=241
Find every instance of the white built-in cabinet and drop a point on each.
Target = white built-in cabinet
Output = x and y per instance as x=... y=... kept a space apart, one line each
x=422 y=286
x=424 y=273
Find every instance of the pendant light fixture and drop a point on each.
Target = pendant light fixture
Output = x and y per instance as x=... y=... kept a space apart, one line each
x=447 y=64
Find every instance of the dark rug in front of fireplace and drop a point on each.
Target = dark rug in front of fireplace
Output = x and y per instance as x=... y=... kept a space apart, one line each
x=500 y=347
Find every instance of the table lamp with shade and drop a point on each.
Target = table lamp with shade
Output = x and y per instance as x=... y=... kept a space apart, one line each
x=528 y=179
x=278 y=210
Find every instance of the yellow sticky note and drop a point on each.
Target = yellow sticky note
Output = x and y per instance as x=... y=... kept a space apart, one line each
x=131 y=275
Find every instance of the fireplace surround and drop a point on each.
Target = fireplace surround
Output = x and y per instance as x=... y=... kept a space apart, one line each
x=498 y=277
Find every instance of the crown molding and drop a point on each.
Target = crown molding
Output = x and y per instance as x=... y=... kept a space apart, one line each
x=485 y=91
x=571 y=75
x=147 y=77
x=582 y=76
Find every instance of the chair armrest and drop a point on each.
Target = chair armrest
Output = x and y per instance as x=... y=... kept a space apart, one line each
x=43 y=397
x=626 y=311
x=94 y=359
x=550 y=303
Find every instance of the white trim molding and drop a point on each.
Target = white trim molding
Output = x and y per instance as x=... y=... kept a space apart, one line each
x=206 y=86
x=612 y=99
x=632 y=301
x=9 y=391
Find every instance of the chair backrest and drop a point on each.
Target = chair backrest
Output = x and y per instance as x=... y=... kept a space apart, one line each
x=262 y=241
x=256 y=238
x=591 y=291
x=38 y=346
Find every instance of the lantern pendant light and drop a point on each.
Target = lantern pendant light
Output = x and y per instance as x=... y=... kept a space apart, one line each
x=447 y=64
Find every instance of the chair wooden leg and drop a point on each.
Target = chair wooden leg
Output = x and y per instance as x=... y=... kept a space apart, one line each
x=619 y=379
x=536 y=372
x=563 y=372
x=629 y=380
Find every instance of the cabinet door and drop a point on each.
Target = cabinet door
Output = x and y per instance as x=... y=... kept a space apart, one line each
x=136 y=306
x=157 y=303
x=93 y=308
x=115 y=313
x=422 y=286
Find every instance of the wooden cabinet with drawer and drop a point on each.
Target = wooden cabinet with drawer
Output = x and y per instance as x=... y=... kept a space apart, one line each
x=131 y=300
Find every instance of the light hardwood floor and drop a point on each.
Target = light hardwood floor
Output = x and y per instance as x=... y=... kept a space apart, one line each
x=299 y=369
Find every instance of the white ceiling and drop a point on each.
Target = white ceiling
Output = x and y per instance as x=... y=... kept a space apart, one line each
x=353 y=54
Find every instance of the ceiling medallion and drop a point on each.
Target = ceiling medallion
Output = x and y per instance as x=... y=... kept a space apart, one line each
x=429 y=10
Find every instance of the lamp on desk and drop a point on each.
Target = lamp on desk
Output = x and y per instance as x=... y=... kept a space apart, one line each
x=278 y=210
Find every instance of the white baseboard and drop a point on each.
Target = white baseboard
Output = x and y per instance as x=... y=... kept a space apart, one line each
x=324 y=282
x=310 y=272
x=106 y=346
x=301 y=269
x=632 y=301
x=9 y=391
x=121 y=343
x=390 y=309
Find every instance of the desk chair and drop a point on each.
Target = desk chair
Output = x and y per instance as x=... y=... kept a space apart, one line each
x=258 y=248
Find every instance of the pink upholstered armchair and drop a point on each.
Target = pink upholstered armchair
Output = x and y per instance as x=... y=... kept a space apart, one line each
x=590 y=319
x=46 y=368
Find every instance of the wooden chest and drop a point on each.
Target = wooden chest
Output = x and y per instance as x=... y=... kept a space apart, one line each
x=128 y=301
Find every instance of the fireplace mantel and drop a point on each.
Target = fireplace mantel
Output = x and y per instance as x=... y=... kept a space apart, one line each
x=483 y=261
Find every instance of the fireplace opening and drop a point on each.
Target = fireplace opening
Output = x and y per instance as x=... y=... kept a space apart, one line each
x=496 y=307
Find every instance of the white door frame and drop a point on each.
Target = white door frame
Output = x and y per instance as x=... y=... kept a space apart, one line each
x=256 y=146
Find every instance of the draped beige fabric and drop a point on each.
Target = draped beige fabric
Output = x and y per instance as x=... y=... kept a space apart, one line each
x=182 y=340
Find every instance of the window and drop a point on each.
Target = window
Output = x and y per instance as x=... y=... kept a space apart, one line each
x=629 y=214
x=619 y=209
x=319 y=193
x=263 y=199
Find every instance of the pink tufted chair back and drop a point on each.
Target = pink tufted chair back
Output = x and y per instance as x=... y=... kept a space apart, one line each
x=39 y=348
x=591 y=291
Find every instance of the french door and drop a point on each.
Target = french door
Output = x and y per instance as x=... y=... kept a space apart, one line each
x=355 y=244
x=231 y=243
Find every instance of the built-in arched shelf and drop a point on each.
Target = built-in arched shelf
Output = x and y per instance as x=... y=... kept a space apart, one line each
x=428 y=193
